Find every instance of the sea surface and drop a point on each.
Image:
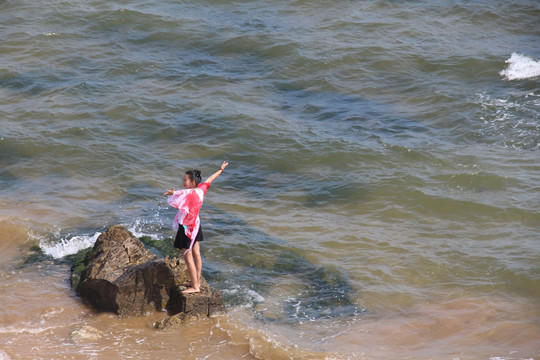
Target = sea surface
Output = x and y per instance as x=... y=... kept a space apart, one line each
x=382 y=199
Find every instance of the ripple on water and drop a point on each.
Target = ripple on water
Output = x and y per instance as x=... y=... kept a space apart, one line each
x=379 y=159
x=513 y=120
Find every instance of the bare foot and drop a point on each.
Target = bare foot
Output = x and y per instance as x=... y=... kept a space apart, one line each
x=191 y=290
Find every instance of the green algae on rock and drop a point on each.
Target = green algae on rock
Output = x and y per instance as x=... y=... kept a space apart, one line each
x=78 y=265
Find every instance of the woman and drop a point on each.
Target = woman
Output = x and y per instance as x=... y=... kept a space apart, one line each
x=189 y=202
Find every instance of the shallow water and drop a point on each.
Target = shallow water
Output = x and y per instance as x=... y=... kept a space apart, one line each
x=382 y=199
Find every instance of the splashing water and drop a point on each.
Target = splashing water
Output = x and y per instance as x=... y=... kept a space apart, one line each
x=68 y=245
x=521 y=67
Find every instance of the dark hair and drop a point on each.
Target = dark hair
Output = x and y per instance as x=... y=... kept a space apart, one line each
x=194 y=175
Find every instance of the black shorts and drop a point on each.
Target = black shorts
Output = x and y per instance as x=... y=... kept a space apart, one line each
x=182 y=241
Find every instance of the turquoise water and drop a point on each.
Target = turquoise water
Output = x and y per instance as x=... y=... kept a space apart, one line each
x=383 y=155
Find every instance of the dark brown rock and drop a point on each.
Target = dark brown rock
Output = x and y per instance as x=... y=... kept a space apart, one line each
x=122 y=276
x=207 y=302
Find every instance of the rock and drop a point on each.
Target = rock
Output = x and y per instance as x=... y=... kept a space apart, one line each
x=122 y=276
x=86 y=333
x=174 y=320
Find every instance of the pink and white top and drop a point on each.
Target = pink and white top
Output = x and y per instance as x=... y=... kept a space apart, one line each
x=188 y=202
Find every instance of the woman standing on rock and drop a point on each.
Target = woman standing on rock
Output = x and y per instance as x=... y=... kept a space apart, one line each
x=189 y=202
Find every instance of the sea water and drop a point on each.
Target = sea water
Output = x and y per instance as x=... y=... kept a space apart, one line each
x=382 y=199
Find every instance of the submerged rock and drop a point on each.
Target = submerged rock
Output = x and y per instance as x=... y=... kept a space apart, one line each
x=122 y=276
x=86 y=333
x=174 y=320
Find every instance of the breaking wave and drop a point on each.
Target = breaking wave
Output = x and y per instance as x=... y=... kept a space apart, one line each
x=60 y=246
x=521 y=67
x=67 y=245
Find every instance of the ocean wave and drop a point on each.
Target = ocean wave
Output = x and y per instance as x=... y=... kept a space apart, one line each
x=60 y=246
x=67 y=245
x=521 y=67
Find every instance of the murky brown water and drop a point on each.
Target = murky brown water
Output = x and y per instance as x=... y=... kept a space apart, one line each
x=39 y=311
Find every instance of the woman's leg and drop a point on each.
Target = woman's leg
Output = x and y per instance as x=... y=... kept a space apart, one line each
x=197 y=260
x=192 y=271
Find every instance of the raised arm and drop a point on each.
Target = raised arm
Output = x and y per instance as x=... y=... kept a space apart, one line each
x=215 y=175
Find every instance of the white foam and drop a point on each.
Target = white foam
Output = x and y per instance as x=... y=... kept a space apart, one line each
x=68 y=246
x=4 y=355
x=33 y=330
x=250 y=296
x=521 y=67
x=71 y=245
x=514 y=120
x=254 y=296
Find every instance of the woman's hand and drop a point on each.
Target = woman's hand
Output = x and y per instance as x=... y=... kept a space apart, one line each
x=169 y=192
x=224 y=165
